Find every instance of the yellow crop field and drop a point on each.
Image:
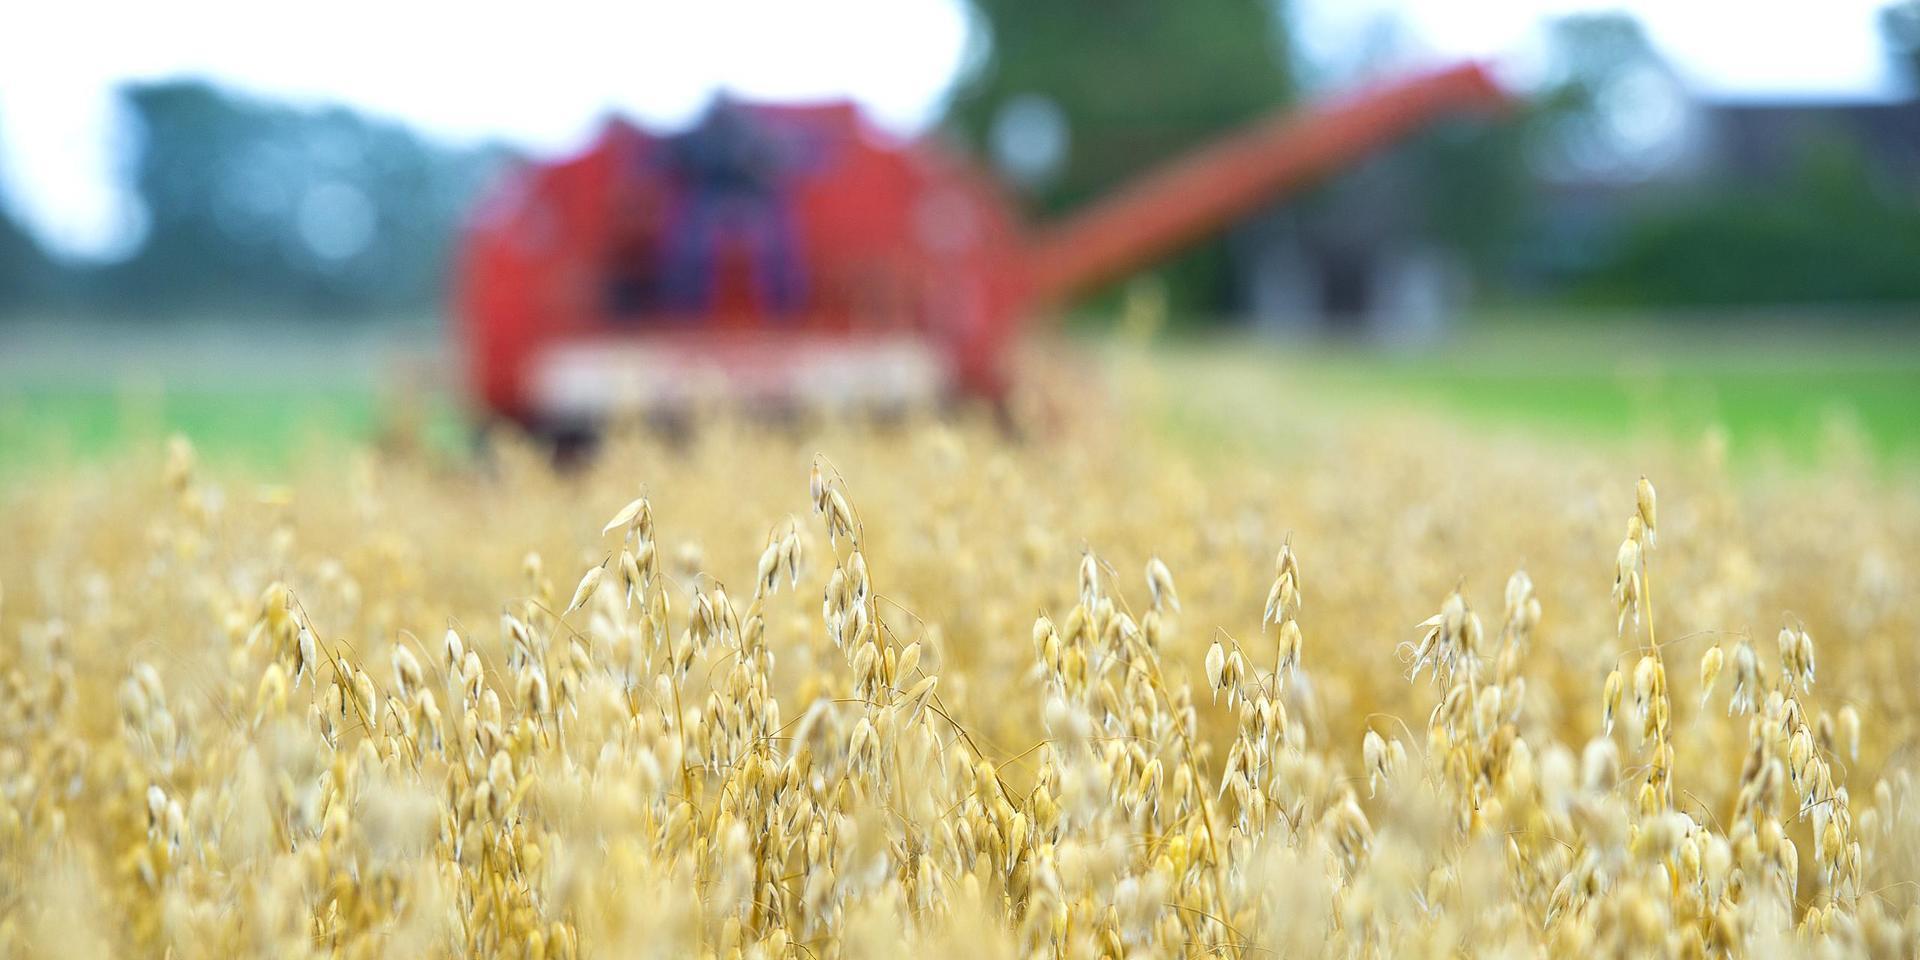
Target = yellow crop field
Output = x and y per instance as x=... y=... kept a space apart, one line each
x=1368 y=685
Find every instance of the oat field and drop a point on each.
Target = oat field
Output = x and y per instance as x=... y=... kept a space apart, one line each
x=1362 y=686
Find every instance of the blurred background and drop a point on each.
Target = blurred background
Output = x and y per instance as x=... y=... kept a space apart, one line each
x=244 y=221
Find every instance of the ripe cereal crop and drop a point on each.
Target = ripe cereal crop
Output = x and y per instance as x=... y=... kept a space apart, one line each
x=1382 y=689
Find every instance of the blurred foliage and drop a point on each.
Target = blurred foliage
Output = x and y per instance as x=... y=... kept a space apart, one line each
x=1900 y=29
x=23 y=269
x=1138 y=82
x=261 y=208
x=1616 y=222
x=1468 y=180
x=1834 y=231
x=1575 y=119
x=256 y=204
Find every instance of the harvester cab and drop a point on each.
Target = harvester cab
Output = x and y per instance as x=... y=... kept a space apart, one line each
x=795 y=255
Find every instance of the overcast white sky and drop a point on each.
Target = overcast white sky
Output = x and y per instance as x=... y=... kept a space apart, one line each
x=541 y=75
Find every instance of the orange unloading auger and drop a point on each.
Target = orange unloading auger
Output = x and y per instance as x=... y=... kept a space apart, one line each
x=1220 y=183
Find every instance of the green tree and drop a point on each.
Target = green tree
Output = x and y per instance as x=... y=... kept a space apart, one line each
x=264 y=207
x=1137 y=82
x=1833 y=231
x=25 y=272
x=1601 y=64
x=1900 y=30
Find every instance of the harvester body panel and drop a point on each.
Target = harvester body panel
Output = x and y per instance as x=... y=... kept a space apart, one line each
x=828 y=259
x=796 y=254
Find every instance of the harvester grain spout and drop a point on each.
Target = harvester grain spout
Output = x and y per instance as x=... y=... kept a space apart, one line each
x=1212 y=187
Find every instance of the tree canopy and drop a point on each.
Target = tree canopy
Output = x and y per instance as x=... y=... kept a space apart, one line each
x=1136 y=82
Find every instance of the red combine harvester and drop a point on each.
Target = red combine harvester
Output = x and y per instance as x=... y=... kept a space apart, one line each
x=789 y=254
